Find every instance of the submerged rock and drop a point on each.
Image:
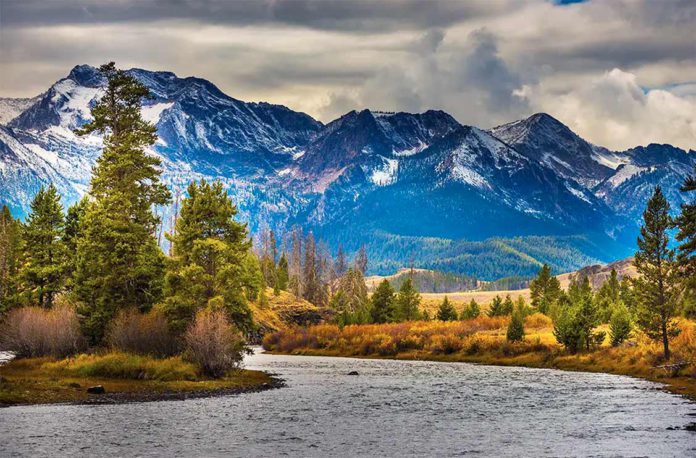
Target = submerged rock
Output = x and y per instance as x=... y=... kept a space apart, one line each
x=98 y=389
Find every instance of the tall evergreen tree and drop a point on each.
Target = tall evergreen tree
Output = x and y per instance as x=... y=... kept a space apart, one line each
x=10 y=249
x=295 y=266
x=508 y=306
x=609 y=296
x=71 y=236
x=496 y=307
x=119 y=263
x=407 y=302
x=686 y=257
x=283 y=277
x=351 y=298
x=361 y=260
x=212 y=263
x=657 y=287
x=383 y=303
x=515 y=330
x=545 y=290
x=340 y=265
x=312 y=289
x=446 y=311
x=43 y=272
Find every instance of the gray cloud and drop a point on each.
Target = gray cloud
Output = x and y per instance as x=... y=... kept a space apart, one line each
x=485 y=62
x=354 y=15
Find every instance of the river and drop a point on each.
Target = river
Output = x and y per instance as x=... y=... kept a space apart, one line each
x=392 y=408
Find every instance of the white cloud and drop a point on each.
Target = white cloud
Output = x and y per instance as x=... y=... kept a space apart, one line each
x=613 y=110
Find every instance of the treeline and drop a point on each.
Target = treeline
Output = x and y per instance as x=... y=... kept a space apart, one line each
x=435 y=281
x=305 y=266
x=506 y=284
x=664 y=289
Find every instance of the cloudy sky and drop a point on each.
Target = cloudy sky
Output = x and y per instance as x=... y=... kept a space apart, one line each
x=619 y=73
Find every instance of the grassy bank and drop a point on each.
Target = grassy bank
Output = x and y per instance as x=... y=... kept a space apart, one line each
x=482 y=340
x=125 y=377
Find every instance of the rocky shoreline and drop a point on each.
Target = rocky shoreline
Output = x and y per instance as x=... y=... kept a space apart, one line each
x=131 y=397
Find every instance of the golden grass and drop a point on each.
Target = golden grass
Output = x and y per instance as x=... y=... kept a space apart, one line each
x=276 y=314
x=46 y=380
x=482 y=340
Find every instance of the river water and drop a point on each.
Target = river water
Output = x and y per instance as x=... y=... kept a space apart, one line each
x=392 y=408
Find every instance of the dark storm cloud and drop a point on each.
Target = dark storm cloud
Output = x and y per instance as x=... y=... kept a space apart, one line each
x=355 y=15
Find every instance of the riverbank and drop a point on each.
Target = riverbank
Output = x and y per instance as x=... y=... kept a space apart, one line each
x=125 y=378
x=482 y=341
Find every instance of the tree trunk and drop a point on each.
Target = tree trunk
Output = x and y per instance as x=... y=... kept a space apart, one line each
x=665 y=340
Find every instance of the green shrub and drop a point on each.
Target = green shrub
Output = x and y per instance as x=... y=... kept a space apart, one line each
x=515 y=330
x=127 y=366
x=620 y=325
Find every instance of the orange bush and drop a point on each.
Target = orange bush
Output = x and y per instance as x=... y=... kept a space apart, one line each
x=383 y=339
x=142 y=333
x=213 y=344
x=34 y=331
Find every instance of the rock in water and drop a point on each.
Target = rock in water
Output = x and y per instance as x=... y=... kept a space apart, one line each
x=98 y=389
x=353 y=373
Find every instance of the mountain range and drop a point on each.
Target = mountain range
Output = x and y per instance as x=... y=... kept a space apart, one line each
x=418 y=189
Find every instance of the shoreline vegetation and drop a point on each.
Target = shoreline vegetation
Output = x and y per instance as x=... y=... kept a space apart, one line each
x=124 y=377
x=483 y=340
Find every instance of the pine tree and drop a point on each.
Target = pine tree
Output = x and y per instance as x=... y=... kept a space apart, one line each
x=446 y=311
x=407 y=302
x=609 y=295
x=295 y=266
x=545 y=290
x=686 y=257
x=351 y=296
x=515 y=330
x=576 y=320
x=43 y=272
x=657 y=287
x=472 y=310
x=119 y=264
x=507 y=306
x=620 y=325
x=71 y=236
x=496 y=307
x=340 y=265
x=212 y=262
x=283 y=277
x=267 y=257
x=10 y=253
x=522 y=307
x=383 y=303
x=312 y=290
x=361 y=260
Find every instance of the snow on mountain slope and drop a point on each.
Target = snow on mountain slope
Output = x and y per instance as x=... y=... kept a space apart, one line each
x=11 y=108
x=545 y=139
x=365 y=176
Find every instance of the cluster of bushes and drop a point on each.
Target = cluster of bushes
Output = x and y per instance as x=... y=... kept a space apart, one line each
x=390 y=339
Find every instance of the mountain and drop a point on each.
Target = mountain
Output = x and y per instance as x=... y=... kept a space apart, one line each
x=413 y=187
x=544 y=139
